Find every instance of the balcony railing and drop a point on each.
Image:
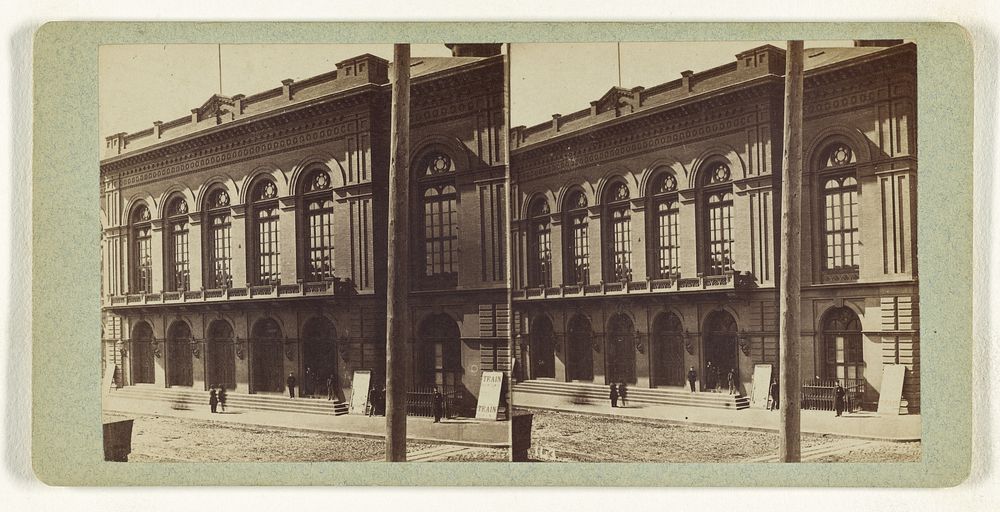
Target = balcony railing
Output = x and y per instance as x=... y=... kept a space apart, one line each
x=324 y=288
x=728 y=281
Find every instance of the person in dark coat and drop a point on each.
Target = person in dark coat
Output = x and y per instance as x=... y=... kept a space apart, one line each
x=623 y=394
x=731 y=379
x=222 y=398
x=709 y=376
x=774 y=394
x=692 y=377
x=372 y=400
x=838 y=398
x=213 y=400
x=290 y=381
x=330 y=381
x=438 y=405
x=613 y=395
x=381 y=401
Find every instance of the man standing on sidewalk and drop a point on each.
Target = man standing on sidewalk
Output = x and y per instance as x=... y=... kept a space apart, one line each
x=290 y=381
x=838 y=398
x=692 y=377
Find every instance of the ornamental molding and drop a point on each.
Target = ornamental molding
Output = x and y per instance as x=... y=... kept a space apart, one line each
x=238 y=148
x=614 y=143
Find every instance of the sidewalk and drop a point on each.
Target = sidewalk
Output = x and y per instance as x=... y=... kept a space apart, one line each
x=464 y=432
x=864 y=425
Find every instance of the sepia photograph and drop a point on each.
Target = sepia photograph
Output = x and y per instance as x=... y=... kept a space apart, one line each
x=256 y=253
x=668 y=304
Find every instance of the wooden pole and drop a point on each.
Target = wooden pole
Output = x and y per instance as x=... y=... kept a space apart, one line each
x=397 y=284
x=790 y=304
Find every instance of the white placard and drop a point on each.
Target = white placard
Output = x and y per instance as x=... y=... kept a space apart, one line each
x=891 y=393
x=488 y=406
x=359 y=391
x=761 y=386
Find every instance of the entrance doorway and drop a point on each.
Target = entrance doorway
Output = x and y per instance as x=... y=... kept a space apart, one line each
x=179 y=367
x=668 y=351
x=720 y=349
x=319 y=345
x=265 y=357
x=621 y=349
x=543 y=355
x=221 y=361
x=580 y=357
x=143 y=371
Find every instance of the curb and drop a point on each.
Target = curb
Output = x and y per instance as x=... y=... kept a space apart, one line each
x=670 y=421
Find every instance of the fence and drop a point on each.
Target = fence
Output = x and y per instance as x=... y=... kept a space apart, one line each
x=818 y=394
x=420 y=400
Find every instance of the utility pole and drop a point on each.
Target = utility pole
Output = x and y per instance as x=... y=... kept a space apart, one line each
x=397 y=283
x=790 y=305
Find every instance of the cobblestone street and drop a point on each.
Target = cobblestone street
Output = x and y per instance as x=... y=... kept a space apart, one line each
x=165 y=439
x=569 y=437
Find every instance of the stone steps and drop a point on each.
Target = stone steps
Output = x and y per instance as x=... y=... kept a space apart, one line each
x=659 y=396
x=191 y=398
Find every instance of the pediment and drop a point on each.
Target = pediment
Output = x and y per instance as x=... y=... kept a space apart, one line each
x=215 y=105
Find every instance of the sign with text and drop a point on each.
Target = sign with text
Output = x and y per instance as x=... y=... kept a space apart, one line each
x=359 y=391
x=761 y=386
x=891 y=394
x=488 y=407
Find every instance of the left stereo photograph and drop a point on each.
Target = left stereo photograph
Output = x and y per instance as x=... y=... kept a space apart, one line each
x=245 y=246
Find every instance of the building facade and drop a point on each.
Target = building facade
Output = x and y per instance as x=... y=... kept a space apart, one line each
x=247 y=241
x=645 y=229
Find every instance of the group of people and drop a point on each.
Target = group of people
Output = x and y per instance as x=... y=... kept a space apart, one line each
x=331 y=385
x=619 y=393
x=712 y=381
x=217 y=399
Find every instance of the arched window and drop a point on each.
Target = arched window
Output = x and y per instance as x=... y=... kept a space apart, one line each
x=717 y=193
x=618 y=228
x=840 y=208
x=218 y=219
x=141 y=251
x=666 y=245
x=577 y=259
x=266 y=269
x=436 y=180
x=540 y=247
x=843 y=355
x=317 y=228
x=440 y=361
x=178 y=277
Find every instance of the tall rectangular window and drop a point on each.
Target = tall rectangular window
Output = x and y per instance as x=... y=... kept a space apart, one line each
x=440 y=231
x=666 y=239
x=841 y=223
x=181 y=278
x=720 y=233
x=579 y=250
x=219 y=252
x=320 y=220
x=541 y=263
x=621 y=225
x=144 y=260
x=268 y=271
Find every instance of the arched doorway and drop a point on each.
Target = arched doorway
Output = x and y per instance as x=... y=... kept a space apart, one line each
x=668 y=351
x=143 y=371
x=179 y=366
x=221 y=361
x=579 y=354
x=440 y=354
x=265 y=357
x=319 y=346
x=721 y=348
x=621 y=349
x=843 y=353
x=542 y=348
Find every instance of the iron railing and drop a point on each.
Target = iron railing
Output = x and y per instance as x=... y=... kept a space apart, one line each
x=420 y=400
x=818 y=394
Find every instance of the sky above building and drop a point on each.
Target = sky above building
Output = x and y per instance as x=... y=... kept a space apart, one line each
x=140 y=84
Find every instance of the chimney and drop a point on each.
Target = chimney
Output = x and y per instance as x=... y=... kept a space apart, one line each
x=593 y=108
x=367 y=67
x=194 y=116
x=686 y=80
x=238 y=104
x=286 y=88
x=474 y=49
x=156 y=128
x=115 y=144
x=555 y=121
